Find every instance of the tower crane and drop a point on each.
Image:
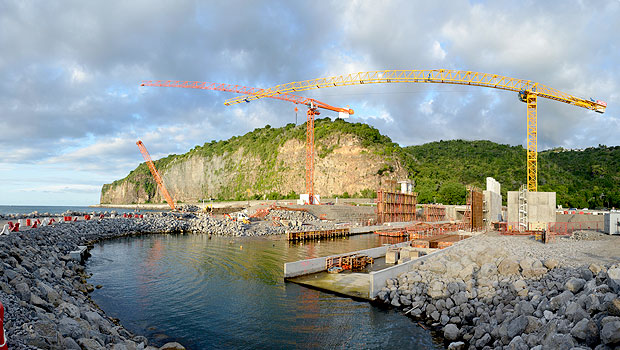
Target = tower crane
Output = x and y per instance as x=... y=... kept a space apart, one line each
x=528 y=92
x=312 y=104
x=160 y=182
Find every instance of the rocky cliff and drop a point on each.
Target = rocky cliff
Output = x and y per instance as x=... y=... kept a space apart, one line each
x=270 y=163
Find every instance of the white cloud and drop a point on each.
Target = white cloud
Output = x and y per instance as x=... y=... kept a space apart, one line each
x=64 y=188
x=426 y=107
x=438 y=52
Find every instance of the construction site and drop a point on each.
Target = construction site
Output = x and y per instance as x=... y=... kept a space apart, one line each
x=422 y=228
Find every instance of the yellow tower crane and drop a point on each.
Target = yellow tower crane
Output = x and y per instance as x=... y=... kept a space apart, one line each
x=528 y=90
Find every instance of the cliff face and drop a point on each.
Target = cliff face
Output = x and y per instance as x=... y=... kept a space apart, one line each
x=268 y=162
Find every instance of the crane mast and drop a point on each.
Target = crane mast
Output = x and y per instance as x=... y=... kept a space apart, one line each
x=312 y=104
x=528 y=92
x=158 y=179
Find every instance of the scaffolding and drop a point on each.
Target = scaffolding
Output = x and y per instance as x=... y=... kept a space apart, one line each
x=395 y=206
x=523 y=208
x=473 y=219
x=354 y=262
x=434 y=212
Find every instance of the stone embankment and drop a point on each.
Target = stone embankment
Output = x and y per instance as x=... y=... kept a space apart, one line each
x=45 y=291
x=493 y=292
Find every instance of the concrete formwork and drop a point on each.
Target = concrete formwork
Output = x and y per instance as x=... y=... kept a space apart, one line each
x=540 y=208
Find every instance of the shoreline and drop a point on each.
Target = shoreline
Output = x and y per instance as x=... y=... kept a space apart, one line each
x=45 y=291
x=485 y=292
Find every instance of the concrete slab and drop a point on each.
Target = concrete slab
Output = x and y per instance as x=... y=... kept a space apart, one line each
x=352 y=284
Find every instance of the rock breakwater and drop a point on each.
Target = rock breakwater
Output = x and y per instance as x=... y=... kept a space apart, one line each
x=509 y=293
x=45 y=291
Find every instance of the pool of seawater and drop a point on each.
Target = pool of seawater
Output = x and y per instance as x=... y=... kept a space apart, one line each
x=229 y=293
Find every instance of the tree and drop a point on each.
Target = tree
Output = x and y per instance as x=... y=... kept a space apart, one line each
x=452 y=193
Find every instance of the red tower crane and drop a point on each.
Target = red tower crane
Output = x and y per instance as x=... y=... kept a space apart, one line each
x=312 y=104
x=160 y=182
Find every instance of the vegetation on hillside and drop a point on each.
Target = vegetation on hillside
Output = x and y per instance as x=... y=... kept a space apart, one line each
x=581 y=178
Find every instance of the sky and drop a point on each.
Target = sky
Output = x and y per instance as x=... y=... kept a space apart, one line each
x=72 y=108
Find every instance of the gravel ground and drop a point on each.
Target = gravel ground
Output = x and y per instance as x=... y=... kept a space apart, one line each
x=573 y=250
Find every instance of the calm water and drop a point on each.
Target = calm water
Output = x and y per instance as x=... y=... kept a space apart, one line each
x=228 y=293
x=55 y=209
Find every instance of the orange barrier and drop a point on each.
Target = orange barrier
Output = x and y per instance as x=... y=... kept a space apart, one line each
x=13 y=227
x=3 y=345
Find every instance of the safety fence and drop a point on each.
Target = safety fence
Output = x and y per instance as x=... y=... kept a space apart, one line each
x=567 y=228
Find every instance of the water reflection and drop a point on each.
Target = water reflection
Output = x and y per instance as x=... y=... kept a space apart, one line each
x=229 y=293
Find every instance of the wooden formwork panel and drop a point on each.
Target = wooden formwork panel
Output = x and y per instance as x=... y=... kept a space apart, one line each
x=477 y=203
x=420 y=243
x=317 y=234
x=392 y=233
x=395 y=206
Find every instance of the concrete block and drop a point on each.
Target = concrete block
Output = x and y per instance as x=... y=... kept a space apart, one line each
x=612 y=223
x=78 y=254
x=391 y=256
x=409 y=252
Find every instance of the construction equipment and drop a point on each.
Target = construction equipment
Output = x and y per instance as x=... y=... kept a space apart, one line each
x=312 y=104
x=160 y=182
x=528 y=91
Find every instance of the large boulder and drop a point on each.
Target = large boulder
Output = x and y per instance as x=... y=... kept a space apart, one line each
x=613 y=308
x=437 y=266
x=574 y=284
x=509 y=266
x=437 y=289
x=172 y=346
x=451 y=332
x=551 y=263
x=610 y=334
x=488 y=270
x=586 y=331
x=613 y=276
x=562 y=299
x=516 y=326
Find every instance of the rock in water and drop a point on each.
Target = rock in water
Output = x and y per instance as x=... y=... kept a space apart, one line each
x=172 y=346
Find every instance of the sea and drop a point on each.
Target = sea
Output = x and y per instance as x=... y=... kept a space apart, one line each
x=59 y=209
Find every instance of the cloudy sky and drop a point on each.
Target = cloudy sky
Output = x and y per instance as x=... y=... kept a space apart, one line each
x=71 y=108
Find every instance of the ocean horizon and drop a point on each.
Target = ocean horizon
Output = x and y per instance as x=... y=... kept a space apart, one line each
x=58 y=209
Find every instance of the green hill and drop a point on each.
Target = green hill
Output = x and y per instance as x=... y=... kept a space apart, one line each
x=354 y=159
x=582 y=178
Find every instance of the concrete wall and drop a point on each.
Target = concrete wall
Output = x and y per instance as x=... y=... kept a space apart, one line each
x=308 y=266
x=494 y=185
x=540 y=207
x=492 y=202
x=513 y=207
x=492 y=207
